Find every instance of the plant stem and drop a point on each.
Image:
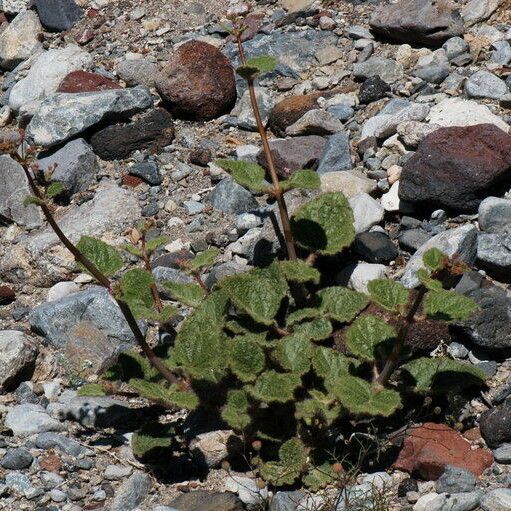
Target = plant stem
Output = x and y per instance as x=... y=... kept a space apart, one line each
x=277 y=191
x=101 y=278
x=147 y=265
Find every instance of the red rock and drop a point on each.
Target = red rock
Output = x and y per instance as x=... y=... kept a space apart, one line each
x=85 y=36
x=7 y=295
x=198 y=82
x=131 y=181
x=51 y=463
x=83 y=81
x=427 y=449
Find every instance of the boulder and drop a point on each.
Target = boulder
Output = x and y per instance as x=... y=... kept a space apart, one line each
x=17 y=357
x=58 y=15
x=83 y=81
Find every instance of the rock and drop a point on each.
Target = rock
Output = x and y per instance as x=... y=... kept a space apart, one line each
x=16 y=459
x=58 y=15
x=375 y=247
x=367 y=212
x=132 y=492
x=20 y=40
x=388 y=70
x=247 y=489
x=413 y=132
x=483 y=84
x=448 y=502
x=456 y=167
x=117 y=472
x=455 y=480
x=475 y=11
x=336 y=154
x=151 y=130
x=315 y=122
x=503 y=453
x=455 y=46
x=29 y=419
x=460 y=112
x=17 y=358
x=295 y=5
x=350 y=184
x=137 y=72
x=15 y=6
x=417 y=21
x=148 y=171
x=214 y=447
x=429 y=448
x=286 y=500
x=412 y=239
x=460 y=240
x=83 y=81
x=392 y=203
x=62 y=116
x=294 y=153
x=206 y=501
x=13 y=190
x=434 y=70
x=356 y=276
x=75 y=166
x=60 y=442
x=496 y=500
x=501 y=53
x=373 y=89
x=198 y=82
x=341 y=111
x=493 y=253
x=7 y=295
x=46 y=73
x=230 y=197
x=246 y=119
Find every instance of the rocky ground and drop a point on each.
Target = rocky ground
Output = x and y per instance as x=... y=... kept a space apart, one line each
x=404 y=107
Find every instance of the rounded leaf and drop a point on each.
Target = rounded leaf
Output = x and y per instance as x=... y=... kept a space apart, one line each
x=365 y=334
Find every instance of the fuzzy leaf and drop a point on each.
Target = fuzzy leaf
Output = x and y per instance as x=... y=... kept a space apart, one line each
x=131 y=364
x=203 y=259
x=317 y=329
x=318 y=478
x=293 y=454
x=32 y=199
x=159 y=393
x=330 y=363
x=103 y=256
x=388 y=293
x=247 y=174
x=305 y=179
x=317 y=410
x=166 y=314
x=365 y=334
x=448 y=305
x=235 y=411
x=301 y=314
x=135 y=286
x=299 y=271
x=152 y=437
x=426 y=280
x=443 y=374
x=324 y=224
x=278 y=474
x=341 y=304
x=188 y=293
x=271 y=387
x=246 y=358
x=92 y=390
x=360 y=397
x=158 y=242
x=433 y=259
x=54 y=189
x=257 y=65
x=294 y=353
x=132 y=249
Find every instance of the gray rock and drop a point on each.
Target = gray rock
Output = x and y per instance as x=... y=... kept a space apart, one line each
x=286 y=500
x=132 y=492
x=58 y=15
x=357 y=275
x=246 y=119
x=137 y=72
x=18 y=482
x=214 y=447
x=29 y=419
x=20 y=40
x=457 y=350
x=435 y=72
x=75 y=165
x=494 y=253
x=460 y=240
x=315 y=122
x=64 y=115
x=148 y=171
x=230 y=197
x=484 y=84
x=62 y=443
x=455 y=46
x=496 y=500
x=14 y=188
x=117 y=472
x=342 y=112
x=367 y=212
x=16 y=459
x=413 y=239
x=247 y=489
x=358 y=32
x=336 y=154
x=501 y=53
x=413 y=132
x=17 y=357
x=455 y=480
x=388 y=70
x=475 y=11
x=503 y=453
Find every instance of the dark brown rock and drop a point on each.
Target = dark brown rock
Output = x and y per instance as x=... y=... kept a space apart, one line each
x=152 y=130
x=83 y=81
x=7 y=295
x=198 y=83
x=457 y=167
x=495 y=425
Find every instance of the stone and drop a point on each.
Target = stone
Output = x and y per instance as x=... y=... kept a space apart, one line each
x=16 y=459
x=503 y=453
x=198 y=83
x=58 y=15
x=148 y=171
x=484 y=84
x=448 y=502
x=46 y=73
x=137 y=72
x=413 y=132
x=57 y=441
x=427 y=22
x=460 y=240
x=74 y=165
x=7 y=295
x=373 y=89
x=29 y=419
x=455 y=46
x=13 y=190
x=461 y=112
x=207 y=501
x=501 y=53
x=265 y=102
x=213 y=447
x=336 y=154
x=315 y=122
x=15 y=6
x=493 y=253
x=286 y=500
x=429 y=448
x=387 y=69
x=17 y=358
x=455 y=480
x=456 y=167
x=247 y=489
x=375 y=247
x=350 y=184
x=117 y=472
x=292 y=6
x=356 y=276
x=434 y=72
x=412 y=239
x=367 y=212
x=132 y=492
x=62 y=116
x=84 y=81
x=391 y=201
x=20 y=40
x=152 y=130
x=475 y=11
x=230 y=197
x=289 y=110
x=294 y=153
x=341 y=112
x=496 y=500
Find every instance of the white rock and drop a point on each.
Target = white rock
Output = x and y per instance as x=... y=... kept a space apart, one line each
x=479 y=10
x=247 y=489
x=391 y=201
x=497 y=500
x=17 y=354
x=357 y=276
x=367 y=212
x=60 y=290
x=28 y=419
x=15 y=6
x=349 y=183
x=430 y=502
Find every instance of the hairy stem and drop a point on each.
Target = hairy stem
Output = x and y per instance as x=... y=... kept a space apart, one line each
x=147 y=265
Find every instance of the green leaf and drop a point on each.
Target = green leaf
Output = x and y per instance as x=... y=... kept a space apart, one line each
x=301 y=314
x=294 y=353
x=54 y=189
x=257 y=65
x=158 y=242
x=132 y=249
x=131 y=364
x=276 y=473
x=135 y=286
x=151 y=439
x=299 y=271
x=324 y=224
x=329 y=363
x=203 y=259
x=317 y=409
x=341 y=304
x=235 y=411
x=188 y=293
x=317 y=329
x=167 y=396
x=166 y=314
x=304 y=179
x=104 y=257
x=247 y=174
x=32 y=199
x=433 y=259
x=92 y=390
x=320 y=477
x=360 y=397
x=448 y=305
x=292 y=460
x=258 y=292
x=365 y=334
x=427 y=281
x=293 y=454
x=272 y=387
x=388 y=293
x=246 y=358
x=443 y=374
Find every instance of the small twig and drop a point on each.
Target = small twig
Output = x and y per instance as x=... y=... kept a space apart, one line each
x=147 y=264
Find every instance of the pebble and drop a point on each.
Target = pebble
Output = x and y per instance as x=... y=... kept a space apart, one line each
x=16 y=459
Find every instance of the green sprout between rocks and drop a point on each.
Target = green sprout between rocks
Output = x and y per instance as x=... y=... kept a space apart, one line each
x=282 y=369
